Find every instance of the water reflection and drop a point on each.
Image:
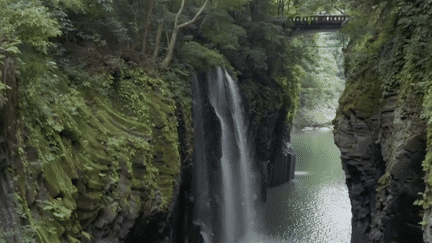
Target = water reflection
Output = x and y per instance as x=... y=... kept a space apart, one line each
x=314 y=207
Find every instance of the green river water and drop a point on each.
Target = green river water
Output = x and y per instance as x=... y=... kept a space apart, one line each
x=314 y=207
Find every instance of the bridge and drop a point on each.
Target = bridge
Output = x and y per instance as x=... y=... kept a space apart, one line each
x=317 y=23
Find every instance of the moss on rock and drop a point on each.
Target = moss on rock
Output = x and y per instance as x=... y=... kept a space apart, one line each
x=387 y=82
x=101 y=160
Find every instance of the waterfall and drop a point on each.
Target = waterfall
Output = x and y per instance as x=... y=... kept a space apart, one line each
x=219 y=96
x=234 y=202
x=245 y=158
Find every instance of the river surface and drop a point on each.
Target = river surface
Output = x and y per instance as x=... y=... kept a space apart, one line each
x=314 y=207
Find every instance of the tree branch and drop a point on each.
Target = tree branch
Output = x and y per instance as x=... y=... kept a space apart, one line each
x=178 y=14
x=196 y=16
x=341 y=11
x=171 y=44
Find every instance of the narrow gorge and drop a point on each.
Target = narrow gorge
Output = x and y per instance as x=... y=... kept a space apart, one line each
x=181 y=121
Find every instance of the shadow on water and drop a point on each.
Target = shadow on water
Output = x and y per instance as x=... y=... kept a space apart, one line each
x=314 y=207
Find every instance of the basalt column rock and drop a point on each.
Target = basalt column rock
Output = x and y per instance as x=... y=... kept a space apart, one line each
x=207 y=177
x=382 y=148
x=182 y=227
x=268 y=107
x=403 y=143
x=11 y=229
x=282 y=155
x=362 y=163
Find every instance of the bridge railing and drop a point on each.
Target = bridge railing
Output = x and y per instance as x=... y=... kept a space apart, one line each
x=320 y=19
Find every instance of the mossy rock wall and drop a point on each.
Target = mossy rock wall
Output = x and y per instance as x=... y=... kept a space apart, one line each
x=88 y=172
x=380 y=126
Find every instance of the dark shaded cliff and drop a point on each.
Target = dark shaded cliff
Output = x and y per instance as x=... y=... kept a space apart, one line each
x=268 y=106
x=380 y=126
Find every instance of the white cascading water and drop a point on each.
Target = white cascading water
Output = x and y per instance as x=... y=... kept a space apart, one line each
x=225 y=98
x=245 y=160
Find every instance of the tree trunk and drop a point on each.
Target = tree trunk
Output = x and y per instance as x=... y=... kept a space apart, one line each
x=158 y=40
x=283 y=7
x=170 y=51
x=147 y=28
x=158 y=36
x=254 y=7
x=289 y=3
x=278 y=7
x=136 y=43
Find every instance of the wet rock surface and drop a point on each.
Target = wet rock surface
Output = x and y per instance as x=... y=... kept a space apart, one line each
x=267 y=107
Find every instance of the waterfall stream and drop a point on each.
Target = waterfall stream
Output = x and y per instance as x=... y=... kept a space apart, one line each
x=313 y=207
x=237 y=215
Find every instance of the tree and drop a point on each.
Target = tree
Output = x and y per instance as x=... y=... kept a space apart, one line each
x=307 y=7
x=328 y=6
x=158 y=36
x=147 y=27
x=170 y=52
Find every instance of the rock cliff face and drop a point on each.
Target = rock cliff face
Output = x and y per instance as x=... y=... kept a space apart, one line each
x=91 y=168
x=381 y=131
x=268 y=106
x=382 y=161
x=101 y=173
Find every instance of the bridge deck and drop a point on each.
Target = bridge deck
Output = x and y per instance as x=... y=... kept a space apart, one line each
x=317 y=23
x=320 y=19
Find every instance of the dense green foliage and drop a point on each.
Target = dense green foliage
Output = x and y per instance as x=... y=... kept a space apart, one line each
x=96 y=98
x=76 y=135
x=308 y=7
x=323 y=82
x=87 y=120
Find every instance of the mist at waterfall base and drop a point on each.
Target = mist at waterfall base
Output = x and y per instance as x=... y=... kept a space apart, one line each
x=314 y=207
